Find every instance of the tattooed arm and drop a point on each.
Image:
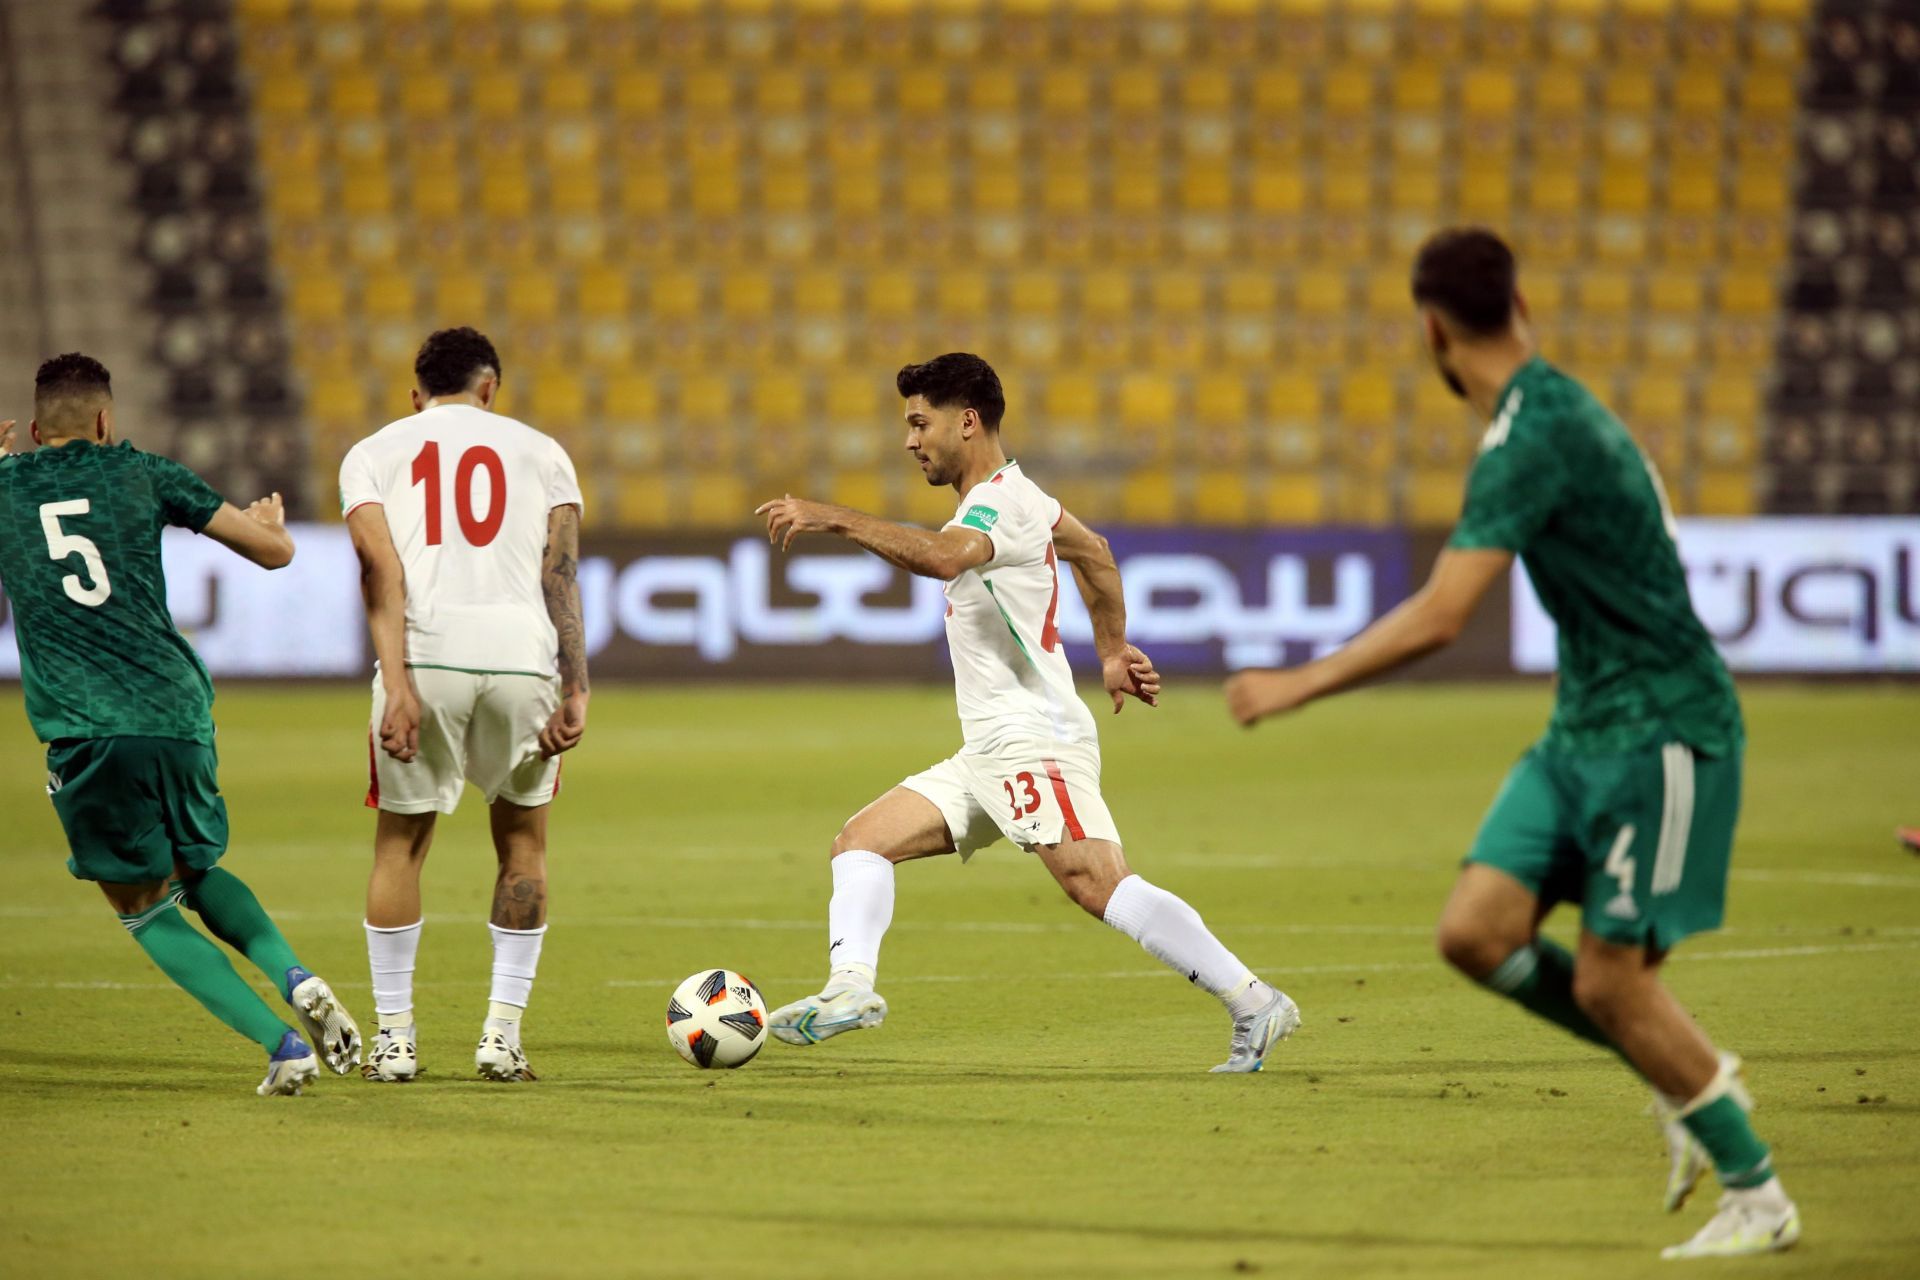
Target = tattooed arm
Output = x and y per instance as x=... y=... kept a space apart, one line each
x=559 y=583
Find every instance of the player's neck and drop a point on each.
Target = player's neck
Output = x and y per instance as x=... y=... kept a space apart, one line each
x=1486 y=369
x=987 y=460
x=466 y=398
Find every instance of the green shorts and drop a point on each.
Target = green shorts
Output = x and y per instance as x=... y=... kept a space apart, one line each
x=133 y=807
x=1640 y=840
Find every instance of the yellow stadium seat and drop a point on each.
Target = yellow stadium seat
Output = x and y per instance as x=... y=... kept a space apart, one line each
x=677 y=295
x=389 y=295
x=645 y=193
x=630 y=399
x=607 y=344
x=863 y=490
x=1296 y=498
x=1106 y=294
x=1177 y=294
x=1486 y=191
x=1066 y=90
x=1602 y=342
x=568 y=93
x=1761 y=189
x=1725 y=493
x=574 y=191
x=639 y=94
x=1071 y=398
x=425 y=95
x=297 y=197
x=1699 y=91
x=1224 y=498
x=1554 y=190
x=341 y=401
x=286 y=95
x=1768 y=94
x=778 y=401
x=459 y=298
x=706 y=399
x=1434 y=497
x=533 y=297
x=746 y=296
x=1489 y=91
x=559 y=399
x=1620 y=238
x=1346 y=190
x=1278 y=94
x=1625 y=189
x=1296 y=415
x=923 y=95
x=1605 y=293
x=1757 y=239
x=717 y=500
x=1348 y=89
x=643 y=498
x=354 y=95
x=1656 y=400
x=892 y=293
x=856 y=403
x=1415 y=190
x=1322 y=291
x=1747 y=292
x=1689 y=240
x=1149 y=497
x=1363 y=498
x=506 y=192
x=1278 y=192
x=318 y=298
x=714 y=193
x=1419 y=89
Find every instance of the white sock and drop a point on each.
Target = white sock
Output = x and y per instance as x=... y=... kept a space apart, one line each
x=516 y=955
x=857 y=917
x=390 y=956
x=1768 y=1195
x=1175 y=935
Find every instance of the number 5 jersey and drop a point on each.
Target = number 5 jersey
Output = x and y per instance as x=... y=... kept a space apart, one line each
x=100 y=656
x=466 y=494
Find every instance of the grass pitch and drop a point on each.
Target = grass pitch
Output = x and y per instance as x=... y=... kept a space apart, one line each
x=1037 y=1103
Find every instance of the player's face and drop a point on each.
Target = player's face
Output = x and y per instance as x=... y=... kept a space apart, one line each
x=1440 y=349
x=934 y=440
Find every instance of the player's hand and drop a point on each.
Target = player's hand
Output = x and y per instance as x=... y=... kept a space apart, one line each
x=400 y=722
x=270 y=511
x=1254 y=695
x=565 y=727
x=1130 y=674
x=790 y=516
x=6 y=437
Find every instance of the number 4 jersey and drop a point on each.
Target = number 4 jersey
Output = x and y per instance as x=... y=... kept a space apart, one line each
x=466 y=494
x=80 y=560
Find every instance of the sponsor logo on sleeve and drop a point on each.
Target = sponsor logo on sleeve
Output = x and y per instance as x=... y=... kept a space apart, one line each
x=981 y=517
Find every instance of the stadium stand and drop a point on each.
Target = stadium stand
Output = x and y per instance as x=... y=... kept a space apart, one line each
x=705 y=234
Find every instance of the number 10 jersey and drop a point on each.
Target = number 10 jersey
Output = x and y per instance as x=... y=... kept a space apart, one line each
x=466 y=495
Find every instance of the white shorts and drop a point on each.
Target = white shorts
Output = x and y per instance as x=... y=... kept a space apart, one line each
x=1033 y=794
x=483 y=729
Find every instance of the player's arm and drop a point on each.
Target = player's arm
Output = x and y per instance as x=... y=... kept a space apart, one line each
x=383 y=587
x=942 y=553
x=259 y=533
x=1431 y=619
x=559 y=583
x=1125 y=670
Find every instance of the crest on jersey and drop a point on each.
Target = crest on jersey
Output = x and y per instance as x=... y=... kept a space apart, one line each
x=981 y=517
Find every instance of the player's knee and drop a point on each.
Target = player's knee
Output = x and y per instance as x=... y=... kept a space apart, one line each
x=1603 y=992
x=1472 y=948
x=844 y=841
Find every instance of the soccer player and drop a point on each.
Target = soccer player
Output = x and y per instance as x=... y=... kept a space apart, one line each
x=467 y=524
x=125 y=706
x=1029 y=766
x=1627 y=805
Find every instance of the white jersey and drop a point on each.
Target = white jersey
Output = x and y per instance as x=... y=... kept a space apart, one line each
x=1010 y=671
x=466 y=494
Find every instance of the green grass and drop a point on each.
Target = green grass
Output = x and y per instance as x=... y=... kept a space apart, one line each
x=1037 y=1103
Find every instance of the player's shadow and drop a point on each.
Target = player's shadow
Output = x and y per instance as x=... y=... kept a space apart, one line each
x=1001 y=1226
x=28 y=1069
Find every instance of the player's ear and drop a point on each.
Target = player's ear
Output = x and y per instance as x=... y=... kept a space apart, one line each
x=1436 y=332
x=489 y=388
x=33 y=429
x=1520 y=307
x=103 y=426
x=419 y=401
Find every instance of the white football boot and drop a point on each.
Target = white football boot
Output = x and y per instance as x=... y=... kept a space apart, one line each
x=1756 y=1220
x=290 y=1068
x=330 y=1028
x=393 y=1058
x=1687 y=1160
x=499 y=1057
x=1258 y=1032
x=824 y=1016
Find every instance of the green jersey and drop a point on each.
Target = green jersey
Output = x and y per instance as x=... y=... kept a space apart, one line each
x=1561 y=484
x=80 y=560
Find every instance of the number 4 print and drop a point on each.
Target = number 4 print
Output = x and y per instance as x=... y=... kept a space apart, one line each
x=1032 y=801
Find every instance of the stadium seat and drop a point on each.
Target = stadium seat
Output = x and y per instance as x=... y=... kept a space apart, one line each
x=644 y=500
x=1434 y=497
x=1150 y=496
x=1224 y=498
x=1296 y=498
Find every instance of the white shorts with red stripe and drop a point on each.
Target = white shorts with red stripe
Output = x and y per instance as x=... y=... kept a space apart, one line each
x=1032 y=794
x=476 y=727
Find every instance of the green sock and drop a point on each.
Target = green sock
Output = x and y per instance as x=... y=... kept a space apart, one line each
x=1539 y=977
x=233 y=915
x=199 y=969
x=1739 y=1157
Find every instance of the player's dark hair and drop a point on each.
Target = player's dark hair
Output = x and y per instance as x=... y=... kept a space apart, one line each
x=1469 y=273
x=956 y=378
x=71 y=374
x=450 y=359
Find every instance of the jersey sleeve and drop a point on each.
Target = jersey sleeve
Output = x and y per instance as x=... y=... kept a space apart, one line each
x=564 y=486
x=1015 y=530
x=1513 y=490
x=185 y=499
x=358 y=486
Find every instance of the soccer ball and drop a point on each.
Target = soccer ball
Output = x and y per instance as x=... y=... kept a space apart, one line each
x=716 y=1018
